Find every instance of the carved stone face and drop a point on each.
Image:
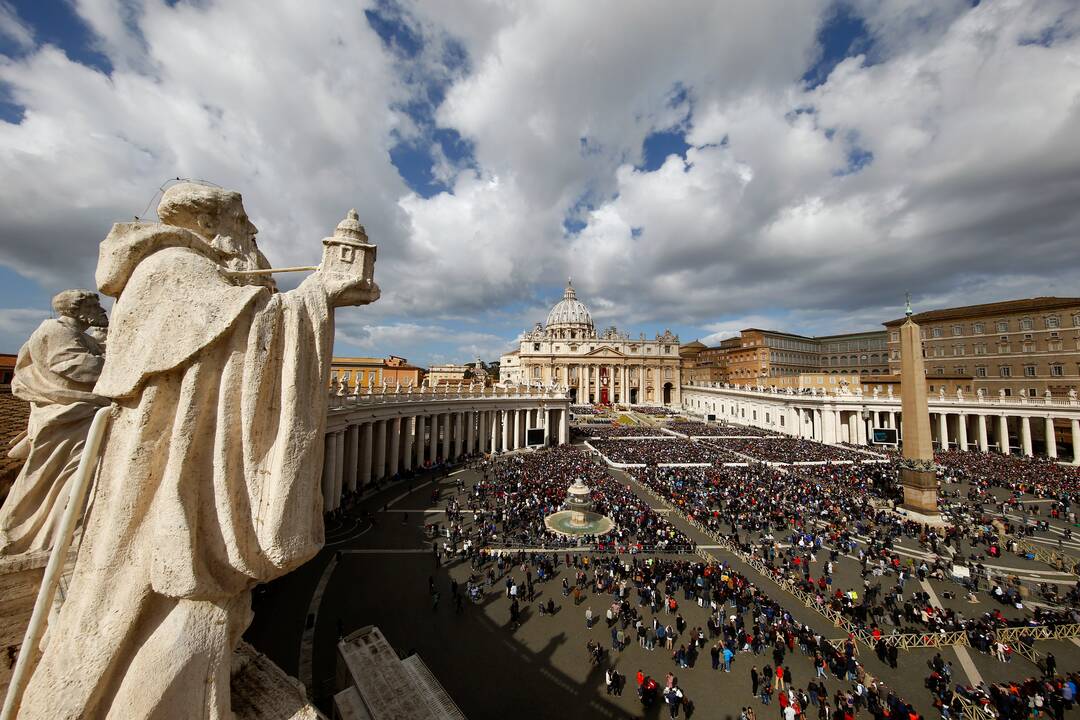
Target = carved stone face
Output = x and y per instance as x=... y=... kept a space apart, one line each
x=91 y=313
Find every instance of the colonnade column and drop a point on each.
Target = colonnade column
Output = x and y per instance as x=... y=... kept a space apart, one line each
x=352 y=447
x=962 y=430
x=1075 y=427
x=484 y=426
x=1025 y=436
x=421 y=429
x=457 y=434
x=365 y=454
x=504 y=427
x=1051 y=438
x=379 y=471
x=329 y=448
x=943 y=431
x=470 y=432
x=447 y=427
x=433 y=439
x=408 y=451
x=984 y=445
x=517 y=428
x=564 y=428
x=493 y=423
x=1003 y=434
x=395 y=445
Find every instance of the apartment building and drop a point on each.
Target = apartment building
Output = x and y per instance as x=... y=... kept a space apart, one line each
x=1021 y=347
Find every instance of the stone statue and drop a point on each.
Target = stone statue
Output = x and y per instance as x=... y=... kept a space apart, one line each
x=941 y=394
x=1001 y=394
x=55 y=371
x=959 y=395
x=209 y=478
x=877 y=391
x=1048 y=395
x=980 y=394
x=1072 y=396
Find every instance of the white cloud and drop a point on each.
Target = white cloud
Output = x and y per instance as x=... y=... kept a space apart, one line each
x=13 y=28
x=16 y=324
x=943 y=162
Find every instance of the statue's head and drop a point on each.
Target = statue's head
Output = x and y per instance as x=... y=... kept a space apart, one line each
x=215 y=213
x=82 y=305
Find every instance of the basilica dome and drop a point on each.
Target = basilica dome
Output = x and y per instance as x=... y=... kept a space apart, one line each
x=569 y=312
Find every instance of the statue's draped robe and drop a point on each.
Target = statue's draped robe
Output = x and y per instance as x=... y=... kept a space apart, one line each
x=55 y=371
x=208 y=484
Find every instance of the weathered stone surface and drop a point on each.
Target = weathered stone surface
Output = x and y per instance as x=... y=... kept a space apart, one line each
x=262 y=691
x=55 y=371
x=209 y=479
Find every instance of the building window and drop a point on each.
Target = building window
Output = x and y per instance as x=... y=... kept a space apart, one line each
x=1005 y=371
x=536 y=372
x=1057 y=370
x=936 y=332
x=1029 y=347
x=939 y=371
x=980 y=348
x=958 y=370
x=978 y=328
x=958 y=350
x=1026 y=324
x=536 y=347
x=1076 y=320
x=980 y=371
x=895 y=336
x=1053 y=321
x=957 y=330
x=895 y=354
x=1029 y=371
x=939 y=351
x=1003 y=326
x=1054 y=346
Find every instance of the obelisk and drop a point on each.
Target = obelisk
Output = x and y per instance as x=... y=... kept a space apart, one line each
x=917 y=473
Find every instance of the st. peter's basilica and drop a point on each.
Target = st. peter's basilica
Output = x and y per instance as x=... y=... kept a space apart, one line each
x=608 y=367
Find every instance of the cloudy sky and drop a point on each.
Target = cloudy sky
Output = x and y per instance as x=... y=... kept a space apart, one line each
x=700 y=166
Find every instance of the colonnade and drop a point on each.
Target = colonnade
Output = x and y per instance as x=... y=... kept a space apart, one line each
x=1008 y=426
x=369 y=444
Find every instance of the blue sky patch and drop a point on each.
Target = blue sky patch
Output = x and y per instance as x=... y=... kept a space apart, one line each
x=843 y=35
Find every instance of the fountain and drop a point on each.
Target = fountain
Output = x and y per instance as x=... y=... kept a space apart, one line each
x=578 y=518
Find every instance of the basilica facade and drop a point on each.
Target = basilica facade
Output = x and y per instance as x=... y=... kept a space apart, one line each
x=606 y=367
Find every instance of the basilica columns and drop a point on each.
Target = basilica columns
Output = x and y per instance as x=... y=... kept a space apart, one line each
x=407 y=451
x=1025 y=436
x=984 y=445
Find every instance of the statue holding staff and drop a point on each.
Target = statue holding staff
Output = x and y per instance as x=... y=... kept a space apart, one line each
x=209 y=477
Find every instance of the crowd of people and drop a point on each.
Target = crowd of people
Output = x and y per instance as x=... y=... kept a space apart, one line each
x=822 y=516
x=615 y=431
x=667 y=450
x=694 y=428
x=789 y=450
x=515 y=494
x=1037 y=476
